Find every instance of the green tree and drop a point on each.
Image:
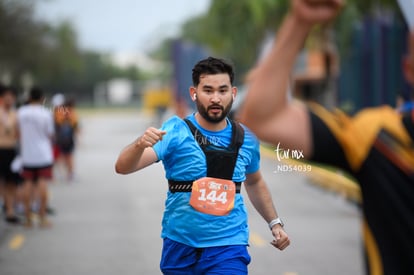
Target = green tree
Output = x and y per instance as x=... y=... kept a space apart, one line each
x=21 y=37
x=50 y=54
x=237 y=29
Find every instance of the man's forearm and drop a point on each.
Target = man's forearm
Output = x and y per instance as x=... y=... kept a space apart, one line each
x=269 y=81
x=128 y=159
x=140 y=153
x=261 y=199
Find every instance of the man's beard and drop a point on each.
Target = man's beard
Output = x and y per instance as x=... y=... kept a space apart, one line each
x=204 y=112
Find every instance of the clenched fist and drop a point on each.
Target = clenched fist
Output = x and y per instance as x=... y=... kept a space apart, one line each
x=150 y=137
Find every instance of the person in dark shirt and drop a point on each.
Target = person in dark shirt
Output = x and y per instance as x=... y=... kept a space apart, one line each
x=375 y=146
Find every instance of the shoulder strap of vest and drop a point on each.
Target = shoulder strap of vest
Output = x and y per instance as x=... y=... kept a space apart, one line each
x=190 y=125
x=199 y=137
x=237 y=134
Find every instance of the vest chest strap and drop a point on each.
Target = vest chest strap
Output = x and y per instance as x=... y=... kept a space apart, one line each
x=186 y=186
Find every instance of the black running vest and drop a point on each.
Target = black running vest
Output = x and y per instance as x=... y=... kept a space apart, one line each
x=221 y=161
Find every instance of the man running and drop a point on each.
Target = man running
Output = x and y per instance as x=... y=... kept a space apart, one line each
x=206 y=157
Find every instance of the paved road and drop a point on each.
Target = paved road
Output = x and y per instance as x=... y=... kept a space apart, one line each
x=110 y=224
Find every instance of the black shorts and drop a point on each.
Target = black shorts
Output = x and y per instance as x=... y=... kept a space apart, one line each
x=66 y=149
x=6 y=174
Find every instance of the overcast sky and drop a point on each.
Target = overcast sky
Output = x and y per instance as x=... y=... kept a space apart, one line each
x=121 y=25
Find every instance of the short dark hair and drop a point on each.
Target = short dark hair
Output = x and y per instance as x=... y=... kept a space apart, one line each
x=69 y=102
x=7 y=89
x=212 y=65
x=3 y=89
x=36 y=94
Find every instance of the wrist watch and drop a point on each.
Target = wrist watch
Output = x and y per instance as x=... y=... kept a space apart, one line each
x=274 y=222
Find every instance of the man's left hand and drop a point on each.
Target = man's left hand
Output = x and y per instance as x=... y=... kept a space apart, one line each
x=281 y=240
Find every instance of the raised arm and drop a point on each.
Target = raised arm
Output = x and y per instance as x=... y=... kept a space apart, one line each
x=267 y=109
x=140 y=153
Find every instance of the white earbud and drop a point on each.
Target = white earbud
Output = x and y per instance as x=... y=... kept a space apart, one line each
x=195 y=96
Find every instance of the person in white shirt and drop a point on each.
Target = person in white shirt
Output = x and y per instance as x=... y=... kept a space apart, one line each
x=36 y=132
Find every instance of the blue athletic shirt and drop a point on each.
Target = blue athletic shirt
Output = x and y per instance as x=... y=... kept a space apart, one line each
x=184 y=160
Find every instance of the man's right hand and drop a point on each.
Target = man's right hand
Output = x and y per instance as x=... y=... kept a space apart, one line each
x=149 y=138
x=316 y=11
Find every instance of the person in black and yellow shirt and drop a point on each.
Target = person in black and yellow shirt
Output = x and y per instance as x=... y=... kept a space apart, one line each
x=375 y=146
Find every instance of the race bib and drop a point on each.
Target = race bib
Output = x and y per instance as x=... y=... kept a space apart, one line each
x=213 y=196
